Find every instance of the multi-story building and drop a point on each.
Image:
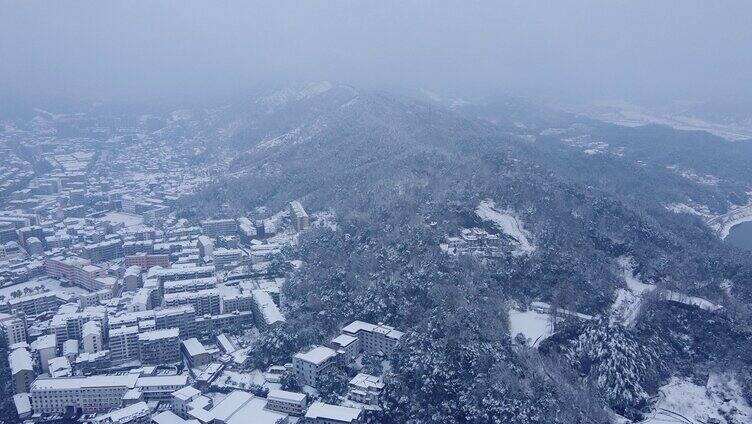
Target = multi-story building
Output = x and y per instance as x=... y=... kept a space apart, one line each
x=307 y=366
x=146 y=261
x=365 y=389
x=184 y=399
x=204 y=302
x=287 y=402
x=180 y=273
x=136 y=413
x=13 y=329
x=63 y=266
x=189 y=285
x=346 y=346
x=158 y=388
x=67 y=326
x=106 y=250
x=33 y=304
x=91 y=336
x=205 y=247
x=90 y=277
x=219 y=227
x=237 y=302
x=21 y=370
x=123 y=344
x=299 y=216
x=265 y=310
x=181 y=317
x=159 y=346
x=44 y=348
x=374 y=338
x=97 y=393
x=227 y=258
x=195 y=353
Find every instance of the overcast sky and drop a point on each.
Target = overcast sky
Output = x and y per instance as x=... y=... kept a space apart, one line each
x=589 y=49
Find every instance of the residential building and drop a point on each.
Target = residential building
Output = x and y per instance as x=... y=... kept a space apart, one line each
x=374 y=338
x=123 y=344
x=299 y=216
x=159 y=346
x=323 y=413
x=266 y=311
x=307 y=366
x=195 y=353
x=219 y=227
x=98 y=393
x=287 y=402
x=21 y=370
x=365 y=389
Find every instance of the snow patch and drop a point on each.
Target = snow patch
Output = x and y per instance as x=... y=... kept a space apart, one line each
x=681 y=401
x=534 y=325
x=508 y=223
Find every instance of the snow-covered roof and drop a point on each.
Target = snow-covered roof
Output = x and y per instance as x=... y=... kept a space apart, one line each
x=194 y=347
x=127 y=414
x=22 y=401
x=320 y=410
x=344 y=340
x=166 y=333
x=162 y=380
x=169 y=417
x=254 y=411
x=20 y=360
x=317 y=355
x=68 y=383
x=285 y=396
x=186 y=393
x=230 y=405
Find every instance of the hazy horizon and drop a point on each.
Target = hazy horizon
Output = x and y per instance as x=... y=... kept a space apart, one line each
x=578 y=51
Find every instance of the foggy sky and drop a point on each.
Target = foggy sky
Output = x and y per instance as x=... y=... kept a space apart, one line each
x=583 y=49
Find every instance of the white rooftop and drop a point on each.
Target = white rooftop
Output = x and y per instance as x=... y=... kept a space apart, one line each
x=317 y=355
x=166 y=333
x=320 y=410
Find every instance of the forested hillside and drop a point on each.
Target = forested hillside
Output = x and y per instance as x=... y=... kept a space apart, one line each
x=401 y=175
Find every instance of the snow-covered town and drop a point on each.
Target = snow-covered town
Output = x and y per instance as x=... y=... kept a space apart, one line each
x=381 y=212
x=115 y=311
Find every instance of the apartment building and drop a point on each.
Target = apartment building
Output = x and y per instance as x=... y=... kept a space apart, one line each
x=92 y=336
x=307 y=366
x=44 y=348
x=237 y=302
x=189 y=285
x=99 y=393
x=67 y=326
x=219 y=227
x=365 y=389
x=159 y=388
x=21 y=370
x=195 y=353
x=146 y=261
x=299 y=216
x=265 y=310
x=13 y=329
x=374 y=338
x=180 y=273
x=103 y=251
x=227 y=258
x=123 y=344
x=159 y=346
x=33 y=304
x=346 y=346
x=204 y=302
x=287 y=402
